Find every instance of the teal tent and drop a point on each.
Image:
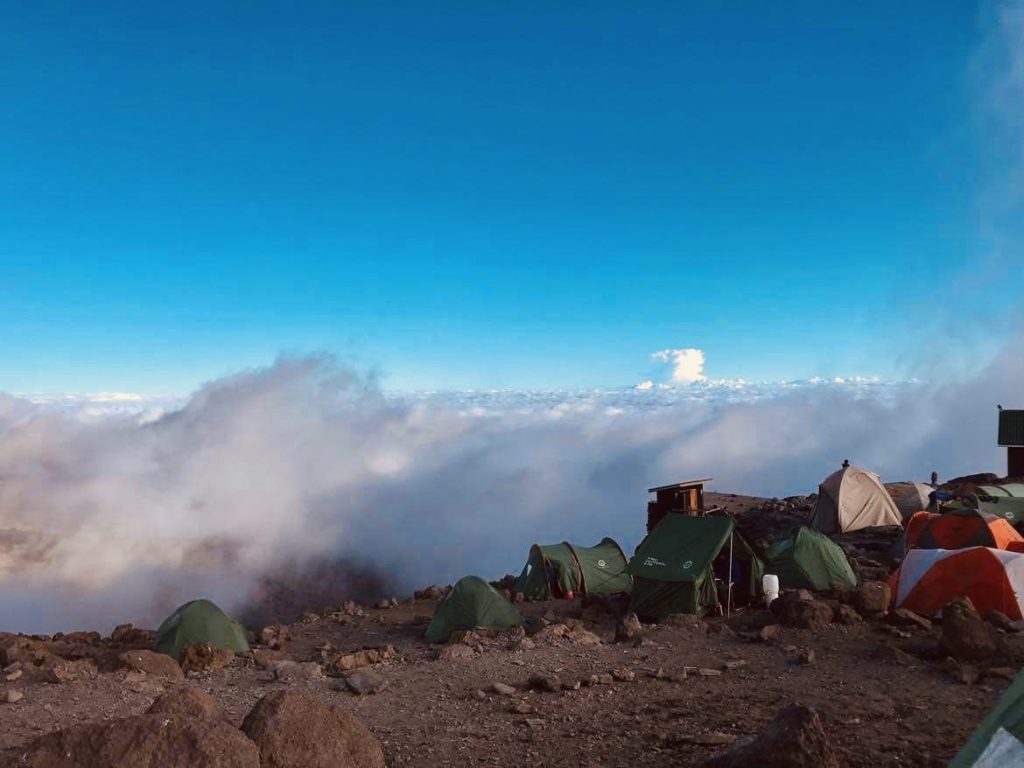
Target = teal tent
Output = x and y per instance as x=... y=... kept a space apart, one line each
x=471 y=604
x=676 y=565
x=808 y=559
x=199 y=621
x=999 y=740
x=555 y=570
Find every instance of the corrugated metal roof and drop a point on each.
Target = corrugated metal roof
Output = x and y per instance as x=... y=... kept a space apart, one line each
x=1011 y=427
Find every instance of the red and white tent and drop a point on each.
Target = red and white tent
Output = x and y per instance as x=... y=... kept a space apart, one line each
x=992 y=578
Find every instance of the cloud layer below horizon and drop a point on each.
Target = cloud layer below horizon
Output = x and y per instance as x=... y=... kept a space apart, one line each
x=120 y=514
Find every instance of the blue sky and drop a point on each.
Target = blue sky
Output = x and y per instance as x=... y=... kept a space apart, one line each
x=487 y=195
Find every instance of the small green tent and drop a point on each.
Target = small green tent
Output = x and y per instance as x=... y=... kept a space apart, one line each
x=471 y=604
x=554 y=570
x=199 y=621
x=999 y=740
x=674 y=567
x=808 y=559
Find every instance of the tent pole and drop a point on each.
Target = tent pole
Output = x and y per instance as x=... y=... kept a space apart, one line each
x=728 y=604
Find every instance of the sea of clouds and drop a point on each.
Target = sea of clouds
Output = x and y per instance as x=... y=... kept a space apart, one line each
x=117 y=509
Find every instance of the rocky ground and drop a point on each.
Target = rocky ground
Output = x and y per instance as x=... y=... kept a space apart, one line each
x=577 y=687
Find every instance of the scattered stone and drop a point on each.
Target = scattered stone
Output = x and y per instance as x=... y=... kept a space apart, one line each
x=13 y=696
x=967 y=674
x=265 y=657
x=573 y=686
x=479 y=695
x=130 y=635
x=366 y=682
x=624 y=675
x=274 y=636
x=847 y=614
x=686 y=621
x=1006 y=673
x=628 y=628
x=292 y=730
x=187 y=702
x=152 y=663
x=544 y=682
x=1001 y=621
x=502 y=689
x=769 y=633
x=904 y=618
x=455 y=653
x=965 y=636
x=805 y=656
x=872 y=598
x=522 y=708
x=794 y=739
x=890 y=654
x=534 y=722
x=10 y=677
x=364 y=658
x=433 y=592
x=144 y=740
x=288 y=671
x=729 y=666
x=62 y=671
x=204 y=657
x=706 y=672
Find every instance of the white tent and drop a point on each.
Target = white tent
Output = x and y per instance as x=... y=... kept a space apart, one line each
x=851 y=499
x=909 y=497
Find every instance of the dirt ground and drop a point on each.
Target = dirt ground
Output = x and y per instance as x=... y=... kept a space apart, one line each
x=885 y=699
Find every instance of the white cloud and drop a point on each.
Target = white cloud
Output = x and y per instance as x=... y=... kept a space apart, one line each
x=687 y=364
x=643 y=386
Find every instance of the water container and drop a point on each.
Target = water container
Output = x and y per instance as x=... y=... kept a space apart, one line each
x=770 y=587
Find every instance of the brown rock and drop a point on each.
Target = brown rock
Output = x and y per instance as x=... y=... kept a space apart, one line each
x=1000 y=620
x=57 y=670
x=363 y=658
x=265 y=657
x=187 y=702
x=366 y=682
x=293 y=730
x=544 y=682
x=903 y=618
x=290 y=671
x=152 y=663
x=798 y=608
x=628 y=628
x=965 y=636
x=967 y=674
x=794 y=739
x=203 y=657
x=143 y=741
x=127 y=635
x=455 y=653
x=872 y=598
x=274 y=636
x=769 y=633
x=846 y=614
x=624 y=675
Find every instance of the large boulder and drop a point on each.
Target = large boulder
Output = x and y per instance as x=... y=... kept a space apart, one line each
x=204 y=657
x=872 y=598
x=795 y=738
x=152 y=663
x=143 y=741
x=798 y=608
x=965 y=635
x=187 y=702
x=294 y=730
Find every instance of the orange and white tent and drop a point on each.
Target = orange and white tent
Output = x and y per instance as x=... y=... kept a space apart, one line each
x=993 y=579
x=959 y=529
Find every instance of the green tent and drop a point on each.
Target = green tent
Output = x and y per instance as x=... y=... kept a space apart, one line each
x=999 y=740
x=808 y=559
x=1004 y=490
x=554 y=570
x=199 y=621
x=674 y=568
x=471 y=604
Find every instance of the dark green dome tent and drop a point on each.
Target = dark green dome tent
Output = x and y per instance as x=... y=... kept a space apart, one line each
x=554 y=570
x=999 y=740
x=674 y=567
x=471 y=604
x=199 y=621
x=808 y=559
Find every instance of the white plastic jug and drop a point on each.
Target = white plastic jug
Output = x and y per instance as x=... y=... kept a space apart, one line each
x=770 y=587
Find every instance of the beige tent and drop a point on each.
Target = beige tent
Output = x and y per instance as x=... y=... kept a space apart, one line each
x=851 y=499
x=909 y=497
